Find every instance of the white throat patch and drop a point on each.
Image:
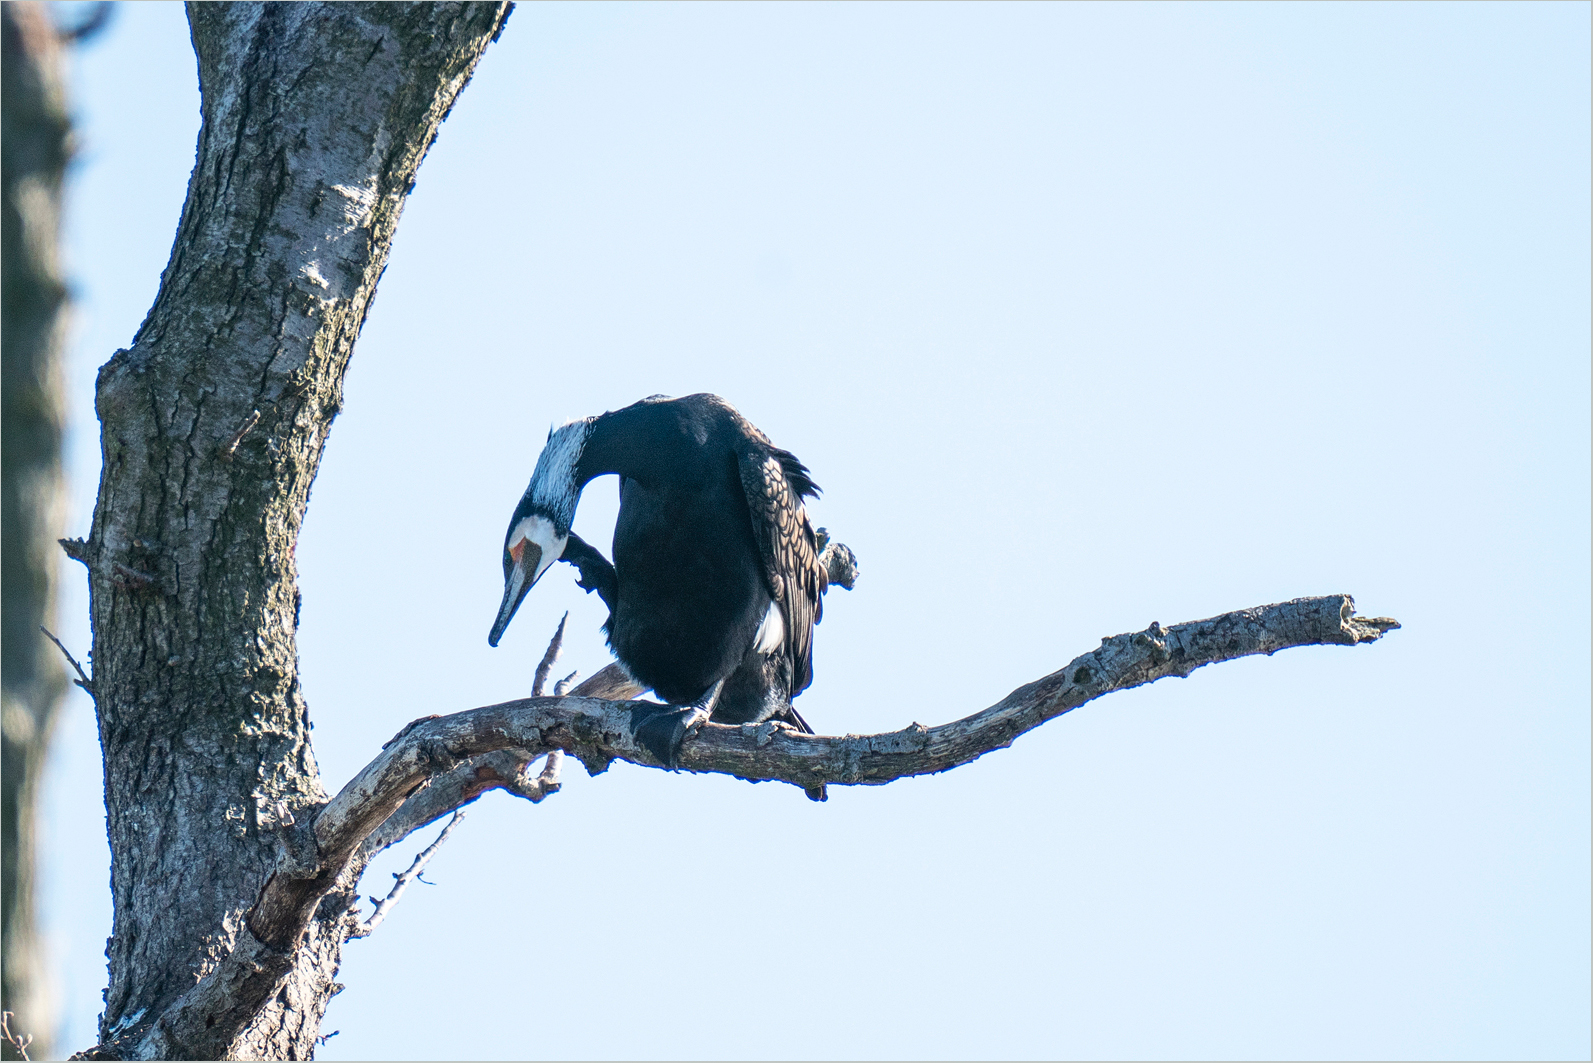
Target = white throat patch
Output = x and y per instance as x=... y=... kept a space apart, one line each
x=539 y=532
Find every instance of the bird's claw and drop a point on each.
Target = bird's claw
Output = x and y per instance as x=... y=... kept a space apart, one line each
x=662 y=730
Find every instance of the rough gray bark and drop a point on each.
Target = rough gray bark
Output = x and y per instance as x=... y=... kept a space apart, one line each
x=36 y=146
x=315 y=120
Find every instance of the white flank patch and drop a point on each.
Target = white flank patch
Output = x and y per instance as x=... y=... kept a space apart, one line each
x=539 y=531
x=771 y=633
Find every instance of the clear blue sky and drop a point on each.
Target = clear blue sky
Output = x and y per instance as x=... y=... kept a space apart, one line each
x=1083 y=316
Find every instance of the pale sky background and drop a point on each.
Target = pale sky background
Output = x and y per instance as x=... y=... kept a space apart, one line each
x=1083 y=316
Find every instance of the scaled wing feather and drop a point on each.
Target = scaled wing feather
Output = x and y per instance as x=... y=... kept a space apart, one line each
x=787 y=546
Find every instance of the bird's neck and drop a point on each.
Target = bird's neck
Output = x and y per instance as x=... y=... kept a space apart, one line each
x=646 y=442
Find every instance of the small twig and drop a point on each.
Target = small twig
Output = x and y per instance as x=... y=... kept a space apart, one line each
x=325 y=1037
x=506 y=771
x=82 y=679
x=540 y=681
x=76 y=549
x=237 y=437
x=20 y=1043
x=499 y=770
x=385 y=905
x=548 y=781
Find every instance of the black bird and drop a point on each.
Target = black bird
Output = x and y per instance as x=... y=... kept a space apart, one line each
x=716 y=582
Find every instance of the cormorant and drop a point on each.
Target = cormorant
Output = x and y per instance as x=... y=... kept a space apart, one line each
x=716 y=582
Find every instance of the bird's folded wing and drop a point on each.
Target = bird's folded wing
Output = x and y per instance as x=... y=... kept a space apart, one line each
x=789 y=552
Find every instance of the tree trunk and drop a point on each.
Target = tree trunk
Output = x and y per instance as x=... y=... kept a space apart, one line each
x=315 y=120
x=36 y=148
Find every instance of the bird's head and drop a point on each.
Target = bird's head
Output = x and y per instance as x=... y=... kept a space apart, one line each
x=541 y=523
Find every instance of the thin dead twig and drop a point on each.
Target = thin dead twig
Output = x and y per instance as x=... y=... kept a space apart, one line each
x=82 y=679
x=237 y=437
x=385 y=904
x=19 y=1043
x=501 y=769
x=548 y=781
x=76 y=549
x=555 y=647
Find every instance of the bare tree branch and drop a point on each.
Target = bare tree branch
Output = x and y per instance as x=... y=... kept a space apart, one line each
x=491 y=771
x=497 y=770
x=385 y=904
x=539 y=681
x=613 y=683
x=19 y=1042
x=598 y=732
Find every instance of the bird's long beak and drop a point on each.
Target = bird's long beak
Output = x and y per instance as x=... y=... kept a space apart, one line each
x=520 y=578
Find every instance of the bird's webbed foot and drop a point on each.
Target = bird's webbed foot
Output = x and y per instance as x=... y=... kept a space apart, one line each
x=662 y=729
